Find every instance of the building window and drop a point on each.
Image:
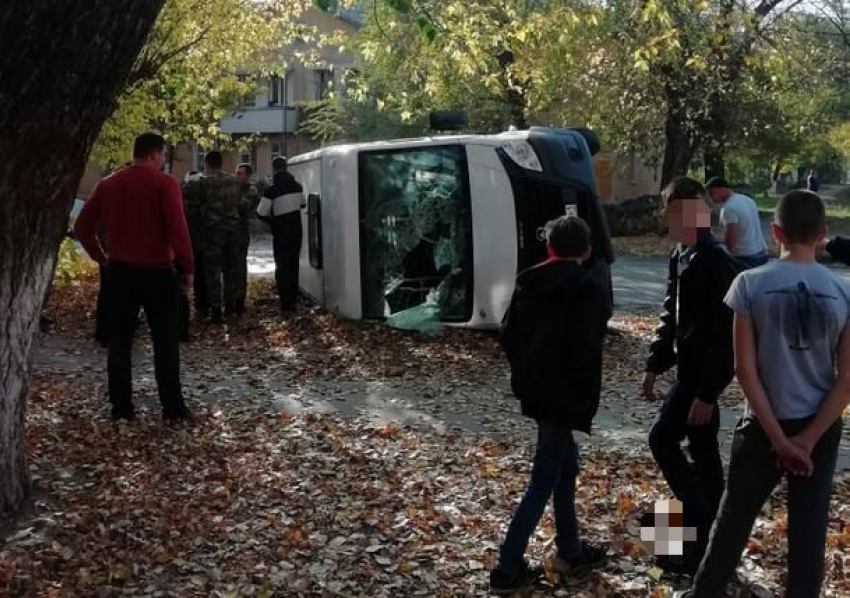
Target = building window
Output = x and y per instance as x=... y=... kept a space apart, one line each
x=249 y=156
x=322 y=80
x=275 y=90
x=250 y=100
x=289 y=87
x=198 y=162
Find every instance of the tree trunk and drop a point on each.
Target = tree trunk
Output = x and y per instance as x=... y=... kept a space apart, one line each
x=514 y=98
x=63 y=63
x=715 y=162
x=678 y=147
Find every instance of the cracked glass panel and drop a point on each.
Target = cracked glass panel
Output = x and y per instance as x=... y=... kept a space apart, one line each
x=416 y=232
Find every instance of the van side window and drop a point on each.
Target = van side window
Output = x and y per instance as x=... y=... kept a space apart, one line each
x=416 y=231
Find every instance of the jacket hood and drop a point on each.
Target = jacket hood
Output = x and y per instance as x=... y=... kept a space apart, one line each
x=282 y=178
x=554 y=279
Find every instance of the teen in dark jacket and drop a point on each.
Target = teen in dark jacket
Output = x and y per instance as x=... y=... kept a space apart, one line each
x=838 y=249
x=696 y=336
x=281 y=207
x=553 y=339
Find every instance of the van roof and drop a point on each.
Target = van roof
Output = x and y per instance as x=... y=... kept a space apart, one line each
x=345 y=148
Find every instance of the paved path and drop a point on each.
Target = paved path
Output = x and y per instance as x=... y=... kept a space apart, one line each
x=641 y=281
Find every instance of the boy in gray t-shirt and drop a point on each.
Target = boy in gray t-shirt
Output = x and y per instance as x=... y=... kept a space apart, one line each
x=790 y=319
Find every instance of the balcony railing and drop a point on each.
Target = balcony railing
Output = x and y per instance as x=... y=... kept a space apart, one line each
x=270 y=119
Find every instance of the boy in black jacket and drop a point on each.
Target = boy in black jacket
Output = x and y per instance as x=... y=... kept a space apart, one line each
x=696 y=336
x=553 y=340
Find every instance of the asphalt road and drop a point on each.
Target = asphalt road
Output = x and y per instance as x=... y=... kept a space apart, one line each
x=641 y=281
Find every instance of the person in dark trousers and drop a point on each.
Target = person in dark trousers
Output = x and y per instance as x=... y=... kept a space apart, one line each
x=552 y=336
x=192 y=200
x=140 y=209
x=812 y=182
x=791 y=331
x=249 y=199
x=281 y=207
x=695 y=335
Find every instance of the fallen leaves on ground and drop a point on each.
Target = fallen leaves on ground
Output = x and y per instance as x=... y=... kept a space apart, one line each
x=253 y=501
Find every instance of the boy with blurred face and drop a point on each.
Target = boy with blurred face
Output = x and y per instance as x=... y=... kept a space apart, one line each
x=695 y=335
x=552 y=336
x=791 y=321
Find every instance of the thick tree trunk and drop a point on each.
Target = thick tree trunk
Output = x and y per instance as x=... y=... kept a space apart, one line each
x=678 y=147
x=63 y=63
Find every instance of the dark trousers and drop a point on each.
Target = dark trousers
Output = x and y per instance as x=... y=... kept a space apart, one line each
x=286 y=237
x=199 y=289
x=102 y=315
x=101 y=329
x=698 y=483
x=184 y=314
x=753 y=474
x=156 y=291
x=553 y=473
x=240 y=292
x=220 y=273
x=747 y=262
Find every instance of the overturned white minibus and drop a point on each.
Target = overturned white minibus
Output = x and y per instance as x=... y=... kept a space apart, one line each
x=447 y=219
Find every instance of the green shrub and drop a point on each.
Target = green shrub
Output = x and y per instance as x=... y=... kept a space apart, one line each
x=72 y=264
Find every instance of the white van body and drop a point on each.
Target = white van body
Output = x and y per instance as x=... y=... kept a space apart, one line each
x=382 y=216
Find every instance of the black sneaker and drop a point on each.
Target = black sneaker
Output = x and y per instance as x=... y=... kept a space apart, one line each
x=183 y=416
x=677 y=565
x=119 y=414
x=506 y=585
x=591 y=557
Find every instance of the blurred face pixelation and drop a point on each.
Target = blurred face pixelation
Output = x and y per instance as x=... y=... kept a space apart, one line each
x=663 y=531
x=242 y=175
x=685 y=217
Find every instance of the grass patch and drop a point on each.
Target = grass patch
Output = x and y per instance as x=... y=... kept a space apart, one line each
x=835 y=211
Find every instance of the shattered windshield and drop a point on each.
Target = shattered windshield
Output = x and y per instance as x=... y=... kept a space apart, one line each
x=416 y=232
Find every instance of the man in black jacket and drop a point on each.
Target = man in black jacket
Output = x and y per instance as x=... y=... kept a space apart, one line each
x=281 y=208
x=837 y=247
x=552 y=336
x=696 y=336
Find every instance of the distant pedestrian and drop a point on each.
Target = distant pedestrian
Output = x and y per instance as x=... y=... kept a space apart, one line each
x=739 y=215
x=695 y=336
x=792 y=358
x=140 y=210
x=249 y=199
x=812 y=182
x=553 y=340
x=281 y=206
x=192 y=199
x=219 y=219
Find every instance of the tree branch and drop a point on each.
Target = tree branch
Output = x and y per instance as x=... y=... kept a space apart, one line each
x=149 y=66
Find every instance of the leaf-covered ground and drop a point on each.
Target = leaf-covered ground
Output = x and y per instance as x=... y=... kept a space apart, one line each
x=328 y=459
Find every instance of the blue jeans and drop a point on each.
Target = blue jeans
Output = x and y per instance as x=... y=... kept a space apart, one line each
x=752 y=261
x=553 y=474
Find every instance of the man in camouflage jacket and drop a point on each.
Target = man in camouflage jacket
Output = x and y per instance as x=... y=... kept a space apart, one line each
x=218 y=217
x=192 y=205
x=249 y=198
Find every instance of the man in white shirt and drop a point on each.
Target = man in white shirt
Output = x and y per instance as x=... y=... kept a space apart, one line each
x=739 y=215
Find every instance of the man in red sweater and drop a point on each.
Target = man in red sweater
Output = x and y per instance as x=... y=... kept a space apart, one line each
x=140 y=211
